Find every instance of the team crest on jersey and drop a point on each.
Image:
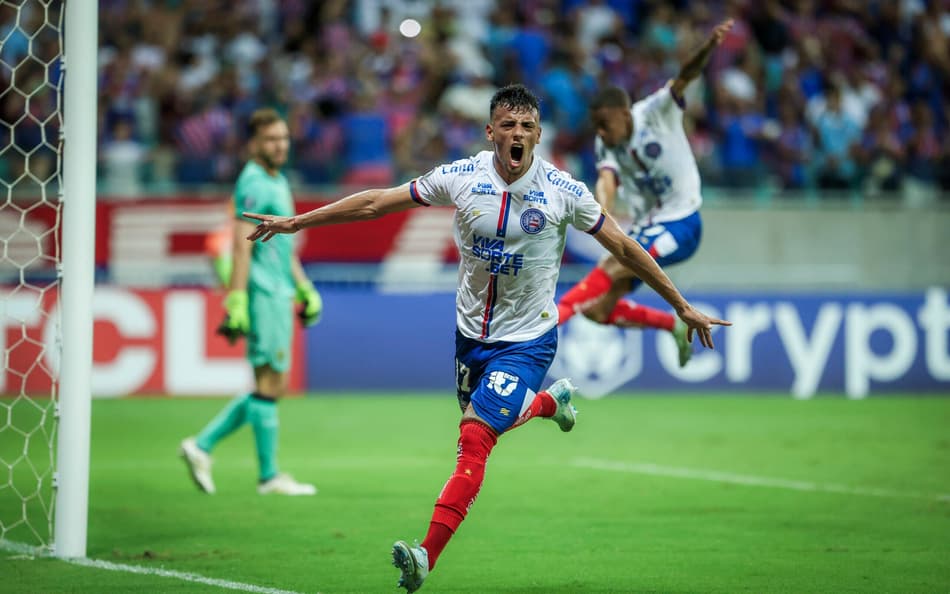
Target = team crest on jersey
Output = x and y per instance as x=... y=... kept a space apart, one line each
x=533 y=221
x=653 y=149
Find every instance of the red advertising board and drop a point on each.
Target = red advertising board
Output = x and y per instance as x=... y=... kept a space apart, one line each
x=180 y=226
x=145 y=342
x=160 y=242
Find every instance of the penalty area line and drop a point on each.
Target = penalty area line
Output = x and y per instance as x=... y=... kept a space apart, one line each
x=23 y=549
x=747 y=480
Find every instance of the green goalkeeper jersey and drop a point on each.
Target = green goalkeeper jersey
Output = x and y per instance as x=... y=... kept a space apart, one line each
x=257 y=191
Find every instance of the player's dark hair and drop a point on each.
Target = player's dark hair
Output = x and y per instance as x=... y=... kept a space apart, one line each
x=610 y=97
x=261 y=118
x=514 y=97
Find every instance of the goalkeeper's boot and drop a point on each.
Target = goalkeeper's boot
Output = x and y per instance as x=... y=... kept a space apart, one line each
x=683 y=347
x=562 y=391
x=284 y=484
x=199 y=464
x=413 y=562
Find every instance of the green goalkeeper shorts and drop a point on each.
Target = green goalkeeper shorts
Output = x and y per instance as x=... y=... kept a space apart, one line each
x=272 y=330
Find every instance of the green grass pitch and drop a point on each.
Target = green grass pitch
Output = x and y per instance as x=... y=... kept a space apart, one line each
x=827 y=495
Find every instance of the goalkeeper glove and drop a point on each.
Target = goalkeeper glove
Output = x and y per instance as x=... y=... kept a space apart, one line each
x=237 y=321
x=311 y=304
x=222 y=268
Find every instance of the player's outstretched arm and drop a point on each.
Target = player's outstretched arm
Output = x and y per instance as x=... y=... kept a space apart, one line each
x=634 y=257
x=605 y=190
x=693 y=67
x=361 y=206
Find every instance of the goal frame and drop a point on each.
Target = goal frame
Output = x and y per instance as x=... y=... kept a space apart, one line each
x=78 y=196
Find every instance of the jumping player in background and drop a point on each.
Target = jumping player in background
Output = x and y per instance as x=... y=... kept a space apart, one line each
x=512 y=213
x=264 y=281
x=647 y=172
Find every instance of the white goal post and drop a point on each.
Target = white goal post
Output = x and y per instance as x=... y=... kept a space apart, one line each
x=81 y=25
x=48 y=95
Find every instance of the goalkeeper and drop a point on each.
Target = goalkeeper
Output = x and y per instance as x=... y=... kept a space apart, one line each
x=264 y=281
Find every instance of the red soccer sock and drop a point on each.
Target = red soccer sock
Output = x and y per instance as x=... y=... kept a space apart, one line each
x=476 y=441
x=628 y=313
x=543 y=405
x=590 y=288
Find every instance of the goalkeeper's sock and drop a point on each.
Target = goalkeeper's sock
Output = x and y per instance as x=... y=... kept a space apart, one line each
x=543 y=405
x=262 y=415
x=627 y=313
x=230 y=418
x=476 y=441
x=590 y=288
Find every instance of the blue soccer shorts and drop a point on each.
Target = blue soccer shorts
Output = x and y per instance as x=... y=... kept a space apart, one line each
x=500 y=379
x=669 y=242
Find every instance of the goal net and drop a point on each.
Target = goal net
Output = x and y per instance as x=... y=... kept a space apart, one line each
x=31 y=84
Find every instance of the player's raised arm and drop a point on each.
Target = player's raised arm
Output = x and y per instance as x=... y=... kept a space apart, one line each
x=605 y=189
x=693 y=66
x=361 y=206
x=634 y=257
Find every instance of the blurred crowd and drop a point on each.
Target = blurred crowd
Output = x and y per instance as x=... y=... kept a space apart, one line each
x=803 y=94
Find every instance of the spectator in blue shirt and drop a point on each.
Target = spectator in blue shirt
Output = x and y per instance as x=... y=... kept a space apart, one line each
x=836 y=133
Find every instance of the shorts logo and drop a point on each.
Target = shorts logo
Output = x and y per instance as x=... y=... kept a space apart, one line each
x=502 y=383
x=533 y=221
x=653 y=149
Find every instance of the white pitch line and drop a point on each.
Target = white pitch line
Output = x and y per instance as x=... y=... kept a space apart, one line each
x=24 y=549
x=746 y=480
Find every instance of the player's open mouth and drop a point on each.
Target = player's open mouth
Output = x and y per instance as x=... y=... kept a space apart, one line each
x=517 y=153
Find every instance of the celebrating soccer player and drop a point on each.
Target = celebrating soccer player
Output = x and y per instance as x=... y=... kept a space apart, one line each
x=512 y=212
x=264 y=281
x=647 y=172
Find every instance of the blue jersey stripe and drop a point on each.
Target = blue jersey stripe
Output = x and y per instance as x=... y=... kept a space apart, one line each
x=503 y=214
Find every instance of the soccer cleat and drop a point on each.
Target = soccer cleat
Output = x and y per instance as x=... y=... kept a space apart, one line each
x=413 y=562
x=199 y=464
x=284 y=484
x=683 y=346
x=562 y=391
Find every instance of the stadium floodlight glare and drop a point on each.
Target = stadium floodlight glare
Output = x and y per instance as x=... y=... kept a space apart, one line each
x=410 y=28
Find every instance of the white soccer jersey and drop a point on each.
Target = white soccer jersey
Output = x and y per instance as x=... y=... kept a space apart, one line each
x=510 y=239
x=656 y=169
